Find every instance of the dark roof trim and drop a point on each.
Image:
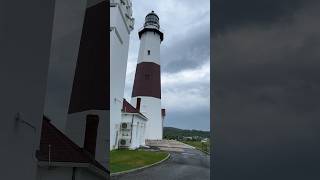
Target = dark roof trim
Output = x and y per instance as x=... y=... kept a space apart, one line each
x=151 y=29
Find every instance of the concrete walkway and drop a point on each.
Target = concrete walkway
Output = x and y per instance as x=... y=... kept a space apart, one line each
x=185 y=163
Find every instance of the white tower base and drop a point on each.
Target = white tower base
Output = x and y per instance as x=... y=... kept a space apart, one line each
x=151 y=108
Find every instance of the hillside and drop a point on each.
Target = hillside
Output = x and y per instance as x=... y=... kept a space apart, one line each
x=175 y=133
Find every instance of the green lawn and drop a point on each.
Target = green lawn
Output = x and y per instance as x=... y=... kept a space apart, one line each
x=199 y=145
x=122 y=160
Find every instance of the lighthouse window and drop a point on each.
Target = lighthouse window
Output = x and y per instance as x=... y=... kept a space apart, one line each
x=147 y=76
x=148 y=52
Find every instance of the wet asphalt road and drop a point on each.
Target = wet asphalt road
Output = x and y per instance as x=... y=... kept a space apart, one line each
x=188 y=165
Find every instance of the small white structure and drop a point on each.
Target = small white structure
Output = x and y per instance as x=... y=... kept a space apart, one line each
x=121 y=24
x=147 y=82
x=132 y=127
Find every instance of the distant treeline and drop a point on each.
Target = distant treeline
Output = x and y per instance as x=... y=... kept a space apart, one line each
x=175 y=133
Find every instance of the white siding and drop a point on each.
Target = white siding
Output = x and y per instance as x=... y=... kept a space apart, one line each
x=138 y=129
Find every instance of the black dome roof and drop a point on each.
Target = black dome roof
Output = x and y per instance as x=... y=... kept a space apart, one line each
x=152 y=13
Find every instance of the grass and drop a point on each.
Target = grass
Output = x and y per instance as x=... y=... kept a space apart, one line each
x=122 y=160
x=205 y=147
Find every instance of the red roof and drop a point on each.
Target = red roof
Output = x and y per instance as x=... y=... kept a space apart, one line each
x=127 y=107
x=62 y=149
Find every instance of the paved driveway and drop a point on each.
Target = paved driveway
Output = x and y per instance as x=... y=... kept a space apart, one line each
x=184 y=164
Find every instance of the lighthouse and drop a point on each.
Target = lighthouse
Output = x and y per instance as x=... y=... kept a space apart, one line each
x=147 y=82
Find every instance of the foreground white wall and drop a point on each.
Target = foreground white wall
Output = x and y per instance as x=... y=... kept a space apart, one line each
x=25 y=35
x=121 y=25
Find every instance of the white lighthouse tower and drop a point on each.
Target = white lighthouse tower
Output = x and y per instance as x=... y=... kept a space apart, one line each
x=147 y=83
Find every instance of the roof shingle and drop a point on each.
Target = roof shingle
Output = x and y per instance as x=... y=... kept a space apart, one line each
x=128 y=108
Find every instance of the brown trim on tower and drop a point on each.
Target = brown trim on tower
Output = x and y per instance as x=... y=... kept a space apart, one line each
x=147 y=80
x=90 y=89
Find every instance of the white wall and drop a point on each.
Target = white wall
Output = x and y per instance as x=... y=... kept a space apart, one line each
x=149 y=41
x=151 y=108
x=25 y=35
x=75 y=130
x=138 y=129
x=119 y=47
x=142 y=134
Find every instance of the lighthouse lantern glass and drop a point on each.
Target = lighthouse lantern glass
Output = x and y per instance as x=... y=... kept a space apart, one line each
x=152 y=19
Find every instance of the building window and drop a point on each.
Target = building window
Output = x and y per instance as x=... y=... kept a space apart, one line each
x=147 y=76
x=148 y=52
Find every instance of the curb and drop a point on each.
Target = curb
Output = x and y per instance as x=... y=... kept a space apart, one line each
x=197 y=149
x=192 y=147
x=140 y=168
x=203 y=152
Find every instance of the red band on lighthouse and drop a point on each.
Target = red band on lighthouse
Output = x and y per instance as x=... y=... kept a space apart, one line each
x=147 y=80
x=90 y=85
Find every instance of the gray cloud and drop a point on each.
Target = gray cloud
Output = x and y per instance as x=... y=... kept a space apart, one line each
x=189 y=120
x=232 y=14
x=186 y=26
x=266 y=90
x=190 y=52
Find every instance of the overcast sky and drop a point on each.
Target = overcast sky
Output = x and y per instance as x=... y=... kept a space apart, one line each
x=185 y=59
x=266 y=68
